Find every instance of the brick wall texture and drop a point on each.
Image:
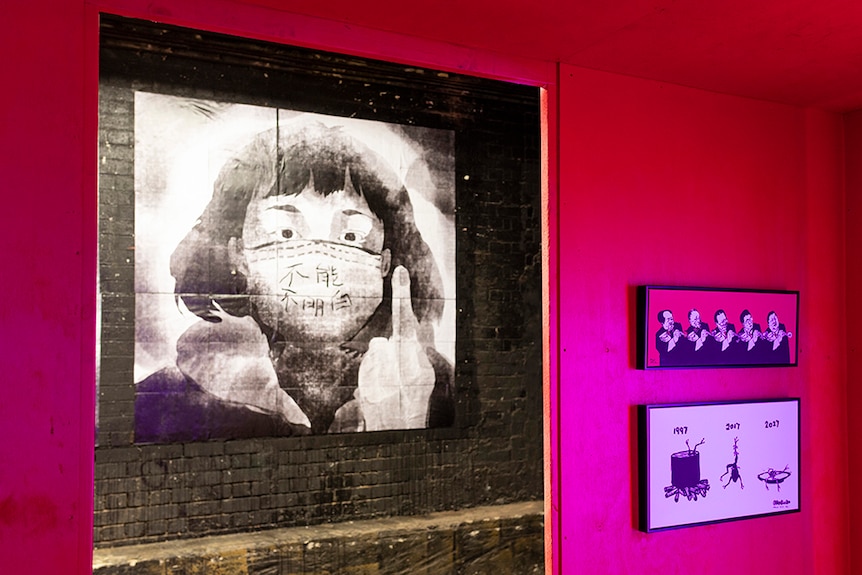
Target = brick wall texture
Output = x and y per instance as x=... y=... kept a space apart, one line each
x=493 y=453
x=499 y=539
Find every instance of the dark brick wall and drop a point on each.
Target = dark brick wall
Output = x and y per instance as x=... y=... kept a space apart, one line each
x=493 y=454
x=499 y=539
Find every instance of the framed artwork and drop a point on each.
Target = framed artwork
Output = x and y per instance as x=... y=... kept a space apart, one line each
x=263 y=232
x=281 y=250
x=704 y=463
x=688 y=327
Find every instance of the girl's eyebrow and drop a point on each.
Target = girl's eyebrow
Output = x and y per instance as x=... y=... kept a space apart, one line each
x=284 y=208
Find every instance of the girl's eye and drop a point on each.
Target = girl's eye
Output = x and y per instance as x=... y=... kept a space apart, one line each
x=288 y=234
x=352 y=237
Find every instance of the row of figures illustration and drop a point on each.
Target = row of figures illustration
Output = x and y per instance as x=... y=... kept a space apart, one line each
x=685 y=474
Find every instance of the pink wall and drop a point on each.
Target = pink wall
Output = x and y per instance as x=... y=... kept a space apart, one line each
x=635 y=156
x=45 y=469
x=667 y=185
x=853 y=139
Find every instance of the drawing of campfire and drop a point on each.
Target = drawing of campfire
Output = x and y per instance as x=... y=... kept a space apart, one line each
x=685 y=475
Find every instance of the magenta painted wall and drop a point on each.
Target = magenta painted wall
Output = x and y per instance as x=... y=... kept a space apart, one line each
x=46 y=324
x=667 y=185
x=638 y=160
x=853 y=214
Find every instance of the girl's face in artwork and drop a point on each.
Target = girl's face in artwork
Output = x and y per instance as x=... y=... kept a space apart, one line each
x=315 y=264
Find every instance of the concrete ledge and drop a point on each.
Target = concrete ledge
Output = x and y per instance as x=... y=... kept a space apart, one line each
x=499 y=539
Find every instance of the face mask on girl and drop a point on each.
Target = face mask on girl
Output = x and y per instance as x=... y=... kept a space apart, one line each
x=316 y=290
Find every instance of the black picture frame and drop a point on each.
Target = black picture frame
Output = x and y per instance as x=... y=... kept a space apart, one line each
x=704 y=463
x=760 y=327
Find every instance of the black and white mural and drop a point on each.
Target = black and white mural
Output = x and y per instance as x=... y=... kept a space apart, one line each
x=294 y=272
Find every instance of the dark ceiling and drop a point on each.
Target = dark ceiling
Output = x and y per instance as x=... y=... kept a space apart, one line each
x=800 y=52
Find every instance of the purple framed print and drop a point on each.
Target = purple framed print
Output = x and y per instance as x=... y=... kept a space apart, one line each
x=705 y=463
x=690 y=327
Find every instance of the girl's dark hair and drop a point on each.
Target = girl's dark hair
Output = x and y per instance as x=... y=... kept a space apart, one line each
x=279 y=162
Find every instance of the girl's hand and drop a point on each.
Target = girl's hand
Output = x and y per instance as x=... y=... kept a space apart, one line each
x=395 y=377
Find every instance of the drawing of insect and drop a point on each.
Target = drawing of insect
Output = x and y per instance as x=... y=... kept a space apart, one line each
x=733 y=468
